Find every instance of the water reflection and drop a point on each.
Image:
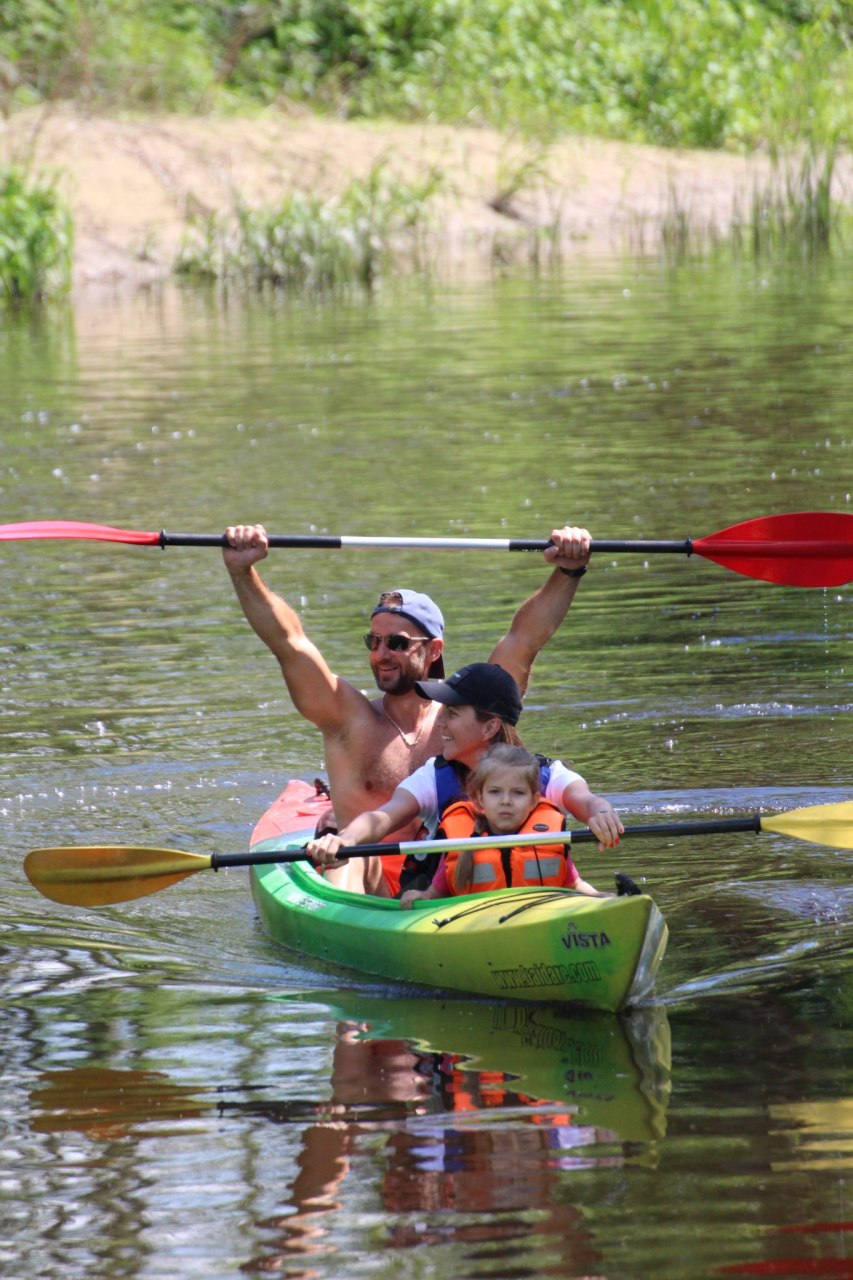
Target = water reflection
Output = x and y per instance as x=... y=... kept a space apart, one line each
x=468 y=1112
x=488 y=1132
x=106 y=1103
x=821 y=1250
x=614 y=1072
x=813 y=1135
x=476 y=1163
x=535 y=1093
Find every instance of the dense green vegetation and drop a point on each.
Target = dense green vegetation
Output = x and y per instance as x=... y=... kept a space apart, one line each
x=35 y=238
x=707 y=73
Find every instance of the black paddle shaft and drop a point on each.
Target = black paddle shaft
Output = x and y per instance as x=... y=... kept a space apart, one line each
x=708 y=827
x=332 y=542
x=219 y=540
x=711 y=826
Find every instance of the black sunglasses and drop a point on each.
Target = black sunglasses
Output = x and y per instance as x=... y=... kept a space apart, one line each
x=397 y=644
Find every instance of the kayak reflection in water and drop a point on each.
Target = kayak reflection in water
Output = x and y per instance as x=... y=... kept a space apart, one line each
x=479 y=1111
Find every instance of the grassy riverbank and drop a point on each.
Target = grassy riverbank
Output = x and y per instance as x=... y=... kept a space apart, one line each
x=313 y=142
x=146 y=191
x=259 y=198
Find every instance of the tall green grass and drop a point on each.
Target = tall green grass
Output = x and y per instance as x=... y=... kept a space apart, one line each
x=796 y=212
x=36 y=236
x=801 y=208
x=311 y=243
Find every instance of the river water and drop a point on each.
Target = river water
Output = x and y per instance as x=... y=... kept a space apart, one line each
x=180 y=1097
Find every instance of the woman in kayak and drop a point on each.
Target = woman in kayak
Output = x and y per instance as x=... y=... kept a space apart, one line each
x=504 y=799
x=481 y=705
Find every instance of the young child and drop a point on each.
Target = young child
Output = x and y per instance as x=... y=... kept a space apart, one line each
x=504 y=800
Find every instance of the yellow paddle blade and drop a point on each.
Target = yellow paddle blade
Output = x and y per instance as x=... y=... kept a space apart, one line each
x=102 y=874
x=830 y=824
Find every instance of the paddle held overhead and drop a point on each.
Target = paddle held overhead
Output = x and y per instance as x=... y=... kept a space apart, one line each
x=801 y=549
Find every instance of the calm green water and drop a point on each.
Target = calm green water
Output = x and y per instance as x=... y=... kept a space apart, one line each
x=180 y=1097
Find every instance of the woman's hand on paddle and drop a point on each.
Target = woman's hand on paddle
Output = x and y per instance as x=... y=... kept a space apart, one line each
x=570 y=549
x=604 y=823
x=596 y=811
x=247 y=544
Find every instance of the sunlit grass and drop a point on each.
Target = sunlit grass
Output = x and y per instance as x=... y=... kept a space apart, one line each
x=311 y=242
x=796 y=212
x=799 y=209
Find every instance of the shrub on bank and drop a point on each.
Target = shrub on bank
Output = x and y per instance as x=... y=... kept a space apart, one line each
x=36 y=236
x=308 y=242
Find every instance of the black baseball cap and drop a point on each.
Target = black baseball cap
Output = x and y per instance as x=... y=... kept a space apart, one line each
x=482 y=685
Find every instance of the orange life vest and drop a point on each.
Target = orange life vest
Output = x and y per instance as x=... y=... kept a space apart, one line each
x=501 y=868
x=392 y=865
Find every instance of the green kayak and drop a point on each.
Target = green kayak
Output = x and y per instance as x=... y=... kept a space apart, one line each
x=539 y=944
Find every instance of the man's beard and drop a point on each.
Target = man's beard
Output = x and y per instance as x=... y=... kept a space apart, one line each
x=402 y=683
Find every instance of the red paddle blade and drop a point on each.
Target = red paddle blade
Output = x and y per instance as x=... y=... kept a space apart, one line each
x=73 y=529
x=802 y=549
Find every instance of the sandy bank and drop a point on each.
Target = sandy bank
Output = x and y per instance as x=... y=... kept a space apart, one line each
x=131 y=183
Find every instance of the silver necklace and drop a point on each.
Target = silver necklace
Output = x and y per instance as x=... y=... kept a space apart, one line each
x=414 y=742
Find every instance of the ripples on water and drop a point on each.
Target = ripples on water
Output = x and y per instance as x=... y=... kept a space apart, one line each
x=204 y=1100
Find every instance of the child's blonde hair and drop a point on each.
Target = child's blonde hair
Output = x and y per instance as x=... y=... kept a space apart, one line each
x=502 y=756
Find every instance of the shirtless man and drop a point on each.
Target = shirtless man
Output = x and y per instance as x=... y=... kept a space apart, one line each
x=371 y=744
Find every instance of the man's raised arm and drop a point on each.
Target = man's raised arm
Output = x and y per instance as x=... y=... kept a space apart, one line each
x=317 y=693
x=536 y=620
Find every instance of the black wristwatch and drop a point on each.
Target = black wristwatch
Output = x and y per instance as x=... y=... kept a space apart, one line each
x=573 y=573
